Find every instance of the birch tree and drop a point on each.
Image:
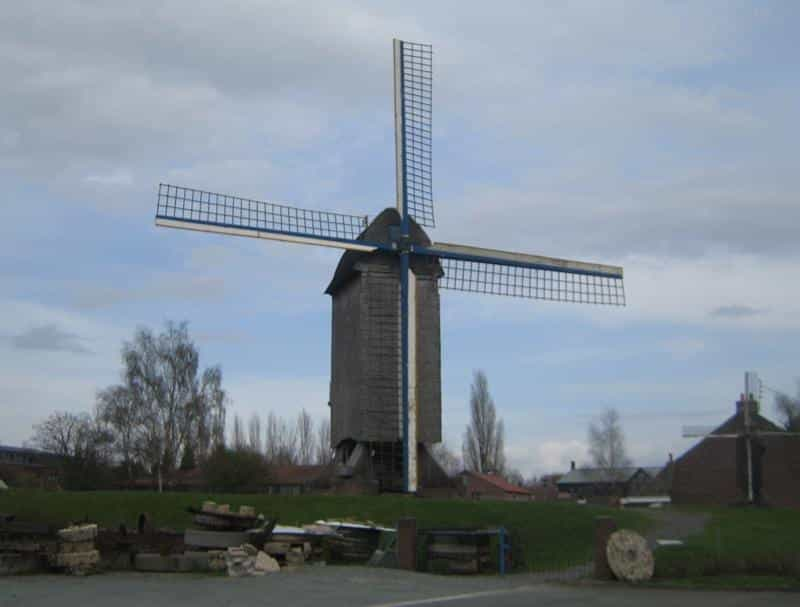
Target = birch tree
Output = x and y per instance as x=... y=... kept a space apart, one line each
x=607 y=441
x=177 y=405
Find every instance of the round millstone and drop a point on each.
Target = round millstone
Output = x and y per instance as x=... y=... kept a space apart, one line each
x=629 y=557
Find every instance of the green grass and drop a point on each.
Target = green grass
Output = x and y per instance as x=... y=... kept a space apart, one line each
x=737 y=541
x=545 y=535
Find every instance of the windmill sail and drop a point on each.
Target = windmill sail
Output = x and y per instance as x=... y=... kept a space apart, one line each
x=413 y=90
x=192 y=209
x=496 y=272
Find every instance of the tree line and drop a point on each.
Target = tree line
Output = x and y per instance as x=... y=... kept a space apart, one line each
x=166 y=414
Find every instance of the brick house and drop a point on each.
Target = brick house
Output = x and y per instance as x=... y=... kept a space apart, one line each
x=25 y=467
x=475 y=485
x=714 y=471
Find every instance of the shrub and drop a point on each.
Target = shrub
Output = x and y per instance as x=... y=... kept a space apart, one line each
x=235 y=470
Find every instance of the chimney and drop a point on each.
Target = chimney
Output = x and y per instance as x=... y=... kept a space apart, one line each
x=670 y=458
x=572 y=465
x=751 y=403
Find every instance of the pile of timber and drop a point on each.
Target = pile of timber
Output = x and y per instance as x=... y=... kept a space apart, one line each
x=352 y=542
x=222 y=540
x=459 y=551
x=77 y=553
x=25 y=546
x=218 y=528
x=219 y=517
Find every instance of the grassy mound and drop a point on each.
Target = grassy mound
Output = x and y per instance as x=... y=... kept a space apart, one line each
x=546 y=536
x=737 y=541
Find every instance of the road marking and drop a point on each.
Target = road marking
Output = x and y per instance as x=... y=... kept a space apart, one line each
x=453 y=597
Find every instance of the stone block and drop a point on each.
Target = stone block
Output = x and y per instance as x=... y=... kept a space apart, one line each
x=266 y=563
x=73 y=560
x=276 y=548
x=67 y=547
x=78 y=533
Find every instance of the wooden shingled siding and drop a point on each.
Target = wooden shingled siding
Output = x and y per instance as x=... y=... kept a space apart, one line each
x=381 y=339
x=346 y=363
x=429 y=361
x=365 y=349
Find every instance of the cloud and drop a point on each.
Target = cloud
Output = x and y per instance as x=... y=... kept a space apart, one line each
x=49 y=338
x=547 y=456
x=117 y=177
x=178 y=286
x=735 y=311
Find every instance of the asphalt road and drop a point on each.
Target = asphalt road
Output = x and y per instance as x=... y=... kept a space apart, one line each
x=345 y=587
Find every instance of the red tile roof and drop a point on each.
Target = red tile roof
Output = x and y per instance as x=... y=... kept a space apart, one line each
x=500 y=483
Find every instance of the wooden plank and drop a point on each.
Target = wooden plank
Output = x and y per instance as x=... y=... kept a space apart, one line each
x=26 y=528
x=214 y=539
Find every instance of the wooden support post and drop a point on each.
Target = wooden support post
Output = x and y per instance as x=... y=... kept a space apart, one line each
x=407 y=543
x=604 y=526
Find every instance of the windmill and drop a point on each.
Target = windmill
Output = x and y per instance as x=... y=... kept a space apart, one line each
x=753 y=429
x=417 y=266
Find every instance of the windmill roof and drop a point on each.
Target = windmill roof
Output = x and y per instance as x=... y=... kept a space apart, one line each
x=378 y=231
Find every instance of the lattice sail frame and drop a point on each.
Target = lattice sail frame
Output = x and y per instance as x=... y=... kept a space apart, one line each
x=415 y=91
x=194 y=206
x=530 y=282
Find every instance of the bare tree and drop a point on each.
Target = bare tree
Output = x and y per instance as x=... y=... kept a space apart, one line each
x=238 y=439
x=254 y=433
x=117 y=408
x=305 y=438
x=271 y=438
x=484 y=439
x=788 y=411
x=281 y=441
x=607 y=441
x=82 y=441
x=62 y=433
x=447 y=459
x=176 y=406
x=515 y=477
x=324 y=451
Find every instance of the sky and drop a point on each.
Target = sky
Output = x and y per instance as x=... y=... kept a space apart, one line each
x=657 y=136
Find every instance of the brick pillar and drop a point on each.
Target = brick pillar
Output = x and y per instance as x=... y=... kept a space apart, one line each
x=407 y=543
x=604 y=526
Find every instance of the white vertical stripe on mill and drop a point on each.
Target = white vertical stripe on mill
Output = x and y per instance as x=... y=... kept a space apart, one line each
x=412 y=382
